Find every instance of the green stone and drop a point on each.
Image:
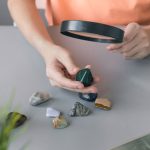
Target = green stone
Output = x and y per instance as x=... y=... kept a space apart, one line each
x=85 y=77
x=16 y=119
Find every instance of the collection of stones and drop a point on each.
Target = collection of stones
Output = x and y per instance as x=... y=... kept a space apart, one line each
x=59 y=121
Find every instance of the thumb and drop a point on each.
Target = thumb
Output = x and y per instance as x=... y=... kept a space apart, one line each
x=67 y=61
x=131 y=31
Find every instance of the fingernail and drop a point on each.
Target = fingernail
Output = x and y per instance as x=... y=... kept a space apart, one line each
x=88 y=66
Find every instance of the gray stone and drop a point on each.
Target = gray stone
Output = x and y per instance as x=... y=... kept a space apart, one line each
x=79 y=110
x=38 y=98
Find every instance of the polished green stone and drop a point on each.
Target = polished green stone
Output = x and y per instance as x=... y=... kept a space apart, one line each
x=85 y=77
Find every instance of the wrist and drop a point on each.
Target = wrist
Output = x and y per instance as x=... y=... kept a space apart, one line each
x=47 y=50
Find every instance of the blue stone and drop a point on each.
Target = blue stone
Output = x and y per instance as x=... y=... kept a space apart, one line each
x=90 y=97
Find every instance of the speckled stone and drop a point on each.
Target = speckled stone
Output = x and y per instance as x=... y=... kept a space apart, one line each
x=85 y=77
x=38 y=98
x=16 y=117
x=103 y=103
x=51 y=112
x=60 y=122
x=79 y=110
x=90 y=97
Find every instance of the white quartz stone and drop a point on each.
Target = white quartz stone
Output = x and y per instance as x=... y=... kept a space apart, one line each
x=51 y=112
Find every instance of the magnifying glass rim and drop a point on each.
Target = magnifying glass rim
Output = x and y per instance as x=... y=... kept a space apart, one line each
x=69 y=26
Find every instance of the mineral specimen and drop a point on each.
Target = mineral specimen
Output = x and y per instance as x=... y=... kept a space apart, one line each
x=79 y=110
x=85 y=77
x=16 y=119
x=51 y=112
x=90 y=97
x=60 y=122
x=103 y=103
x=38 y=98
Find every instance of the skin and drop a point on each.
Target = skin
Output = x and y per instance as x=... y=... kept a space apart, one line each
x=136 y=45
x=56 y=57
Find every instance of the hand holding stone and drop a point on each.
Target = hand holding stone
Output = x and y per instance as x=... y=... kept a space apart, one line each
x=60 y=70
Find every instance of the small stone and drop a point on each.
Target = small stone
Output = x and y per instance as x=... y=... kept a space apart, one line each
x=16 y=118
x=60 y=122
x=85 y=77
x=51 y=112
x=79 y=110
x=103 y=103
x=38 y=98
x=90 y=97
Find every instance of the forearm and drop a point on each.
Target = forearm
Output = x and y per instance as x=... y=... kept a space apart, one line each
x=27 y=18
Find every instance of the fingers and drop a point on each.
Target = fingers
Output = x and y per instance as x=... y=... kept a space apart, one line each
x=88 y=66
x=140 y=55
x=137 y=52
x=61 y=71
x=60 y=80
x=136 y=43
x=90 y=89
x=56 y=74
x=135 y=48
x=65 y=82
x=130 y=33
x=112 y=47
x=67 y=61
x=130 y=45
x=132 y=52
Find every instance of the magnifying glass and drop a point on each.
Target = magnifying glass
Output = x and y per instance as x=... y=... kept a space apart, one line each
x=92 y=31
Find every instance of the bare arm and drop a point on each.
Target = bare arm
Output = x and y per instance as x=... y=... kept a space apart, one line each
x=27 y=18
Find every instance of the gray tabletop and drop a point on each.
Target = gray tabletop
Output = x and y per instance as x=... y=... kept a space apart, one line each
x=126 y=83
